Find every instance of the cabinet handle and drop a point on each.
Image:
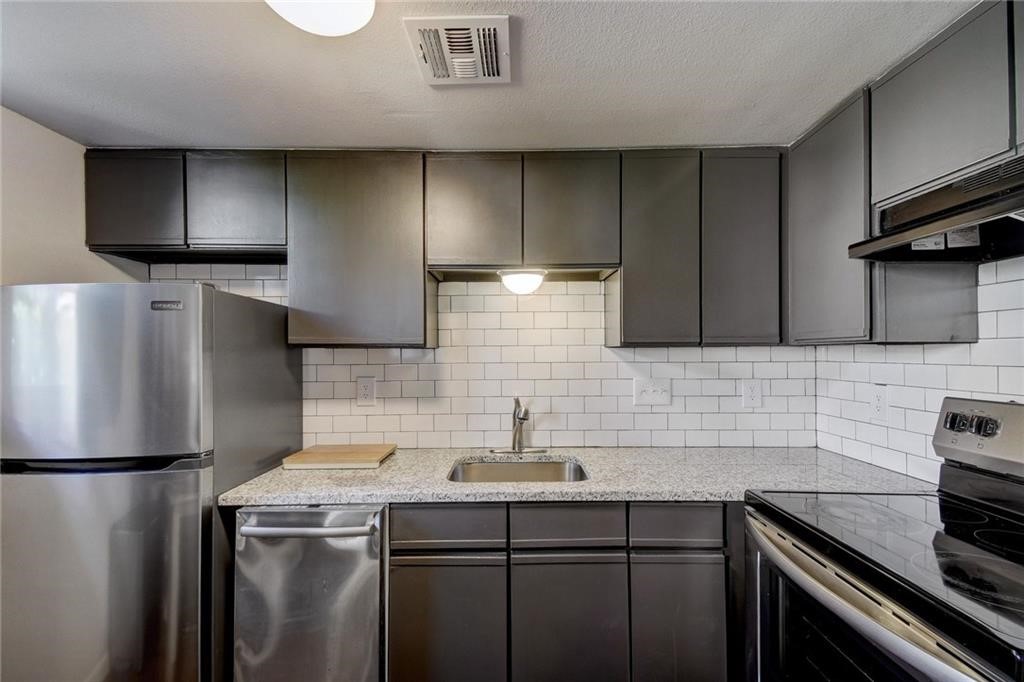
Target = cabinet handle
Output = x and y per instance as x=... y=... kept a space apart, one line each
x=307 y=532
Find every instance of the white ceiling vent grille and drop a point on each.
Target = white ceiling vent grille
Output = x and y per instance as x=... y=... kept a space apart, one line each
x=460 y=50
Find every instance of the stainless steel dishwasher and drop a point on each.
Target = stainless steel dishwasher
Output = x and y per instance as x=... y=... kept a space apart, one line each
x=309 y=590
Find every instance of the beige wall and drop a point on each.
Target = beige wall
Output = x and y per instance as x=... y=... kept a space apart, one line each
x=42 y=210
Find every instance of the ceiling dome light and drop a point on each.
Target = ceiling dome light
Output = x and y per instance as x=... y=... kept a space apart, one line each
x=325 y=17
x=522 y=281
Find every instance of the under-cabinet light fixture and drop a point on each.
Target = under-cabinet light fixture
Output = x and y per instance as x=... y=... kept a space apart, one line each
x=522 y=281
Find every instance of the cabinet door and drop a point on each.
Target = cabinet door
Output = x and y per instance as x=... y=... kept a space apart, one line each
x=926 y=302
x=740 y=228
x=660 y=274
x=449 y=618
x=236 y=198
x=828 y=210
x=474 y=209
x=460 y=526
x=679 y=616
x=571 y=208
x=134 y=198
x=947 y=109
x=570 y=616
x=355 y=249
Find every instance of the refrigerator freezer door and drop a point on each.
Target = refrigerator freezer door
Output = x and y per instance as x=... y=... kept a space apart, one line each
x=105 y=370
x=308 y=594
x=100 y=575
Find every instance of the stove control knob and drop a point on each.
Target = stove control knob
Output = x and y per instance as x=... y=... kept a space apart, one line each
x=986 y=427
x=956 y=421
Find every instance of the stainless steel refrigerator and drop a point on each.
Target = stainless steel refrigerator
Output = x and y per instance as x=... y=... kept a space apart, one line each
x=126 y=409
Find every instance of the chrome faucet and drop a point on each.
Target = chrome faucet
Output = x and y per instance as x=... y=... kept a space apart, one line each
x=520 y=415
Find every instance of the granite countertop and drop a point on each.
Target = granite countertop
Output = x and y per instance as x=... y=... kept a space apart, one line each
x=654 y=474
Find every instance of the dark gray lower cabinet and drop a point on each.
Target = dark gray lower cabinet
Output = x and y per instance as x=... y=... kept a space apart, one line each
x=570 y=616
x=449 y=618
x=679 y=616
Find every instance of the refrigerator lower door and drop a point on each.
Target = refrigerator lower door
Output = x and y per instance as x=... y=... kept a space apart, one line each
x=100 y=574
x=308 y=596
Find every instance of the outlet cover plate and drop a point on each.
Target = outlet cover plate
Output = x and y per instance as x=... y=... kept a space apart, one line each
x=366 y=391
x=751 y=393
x=647 y=391
x=879 y=404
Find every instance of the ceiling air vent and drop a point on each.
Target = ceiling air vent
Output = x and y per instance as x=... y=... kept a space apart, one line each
x=460 y=50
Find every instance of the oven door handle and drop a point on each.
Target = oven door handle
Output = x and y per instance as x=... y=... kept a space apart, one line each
x=874 y=622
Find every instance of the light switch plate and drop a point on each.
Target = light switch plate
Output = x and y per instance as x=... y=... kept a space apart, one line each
x=751 y=393
x=647 y=391
x=366 y=391
x=880 y=404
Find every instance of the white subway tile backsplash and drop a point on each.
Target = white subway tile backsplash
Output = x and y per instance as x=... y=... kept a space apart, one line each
x=1007 y=295
x=547 y=348
x=971 y=378
x=991 y=368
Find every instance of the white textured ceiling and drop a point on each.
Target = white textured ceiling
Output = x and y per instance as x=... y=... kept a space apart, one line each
x=585 y=74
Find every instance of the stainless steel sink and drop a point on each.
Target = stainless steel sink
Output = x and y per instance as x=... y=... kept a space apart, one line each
x=517 y=471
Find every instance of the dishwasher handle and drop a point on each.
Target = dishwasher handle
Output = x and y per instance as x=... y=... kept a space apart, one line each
x=308 y=532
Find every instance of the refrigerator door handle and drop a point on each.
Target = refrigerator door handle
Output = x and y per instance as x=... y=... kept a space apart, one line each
x=329 y=532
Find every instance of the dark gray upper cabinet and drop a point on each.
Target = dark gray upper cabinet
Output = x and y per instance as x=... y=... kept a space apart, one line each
x=948 y=108
x=134 y=198
x=658 y=286
x=828 y=210
x=355 y=249
x=474 y=209
x=571 y=208
x=740 y=246
x=236 y=198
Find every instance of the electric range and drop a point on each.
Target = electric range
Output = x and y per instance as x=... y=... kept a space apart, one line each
x=905 y=586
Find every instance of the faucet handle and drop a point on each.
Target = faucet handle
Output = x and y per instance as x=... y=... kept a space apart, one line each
x=519 y=413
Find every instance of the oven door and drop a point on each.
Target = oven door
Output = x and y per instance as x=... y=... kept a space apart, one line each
x=812 y=621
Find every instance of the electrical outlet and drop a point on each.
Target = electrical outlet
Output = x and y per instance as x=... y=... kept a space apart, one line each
x=366 y=391
x=751 y=392
x=648 y=391
x=880 y=404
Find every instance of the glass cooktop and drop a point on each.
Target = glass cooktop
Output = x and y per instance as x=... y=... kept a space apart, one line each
x=967 y=557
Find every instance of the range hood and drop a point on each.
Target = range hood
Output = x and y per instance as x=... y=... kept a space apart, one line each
x=974 y=220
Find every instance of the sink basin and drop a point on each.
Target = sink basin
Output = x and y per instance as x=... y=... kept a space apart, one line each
x=517 y=471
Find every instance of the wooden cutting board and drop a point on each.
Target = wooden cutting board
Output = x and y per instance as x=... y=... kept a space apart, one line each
x=339 y=457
